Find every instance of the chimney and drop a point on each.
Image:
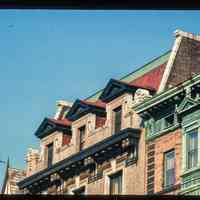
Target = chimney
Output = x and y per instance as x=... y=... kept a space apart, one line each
x=62 y=108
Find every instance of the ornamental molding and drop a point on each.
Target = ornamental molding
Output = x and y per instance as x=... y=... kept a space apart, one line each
x=187 y=104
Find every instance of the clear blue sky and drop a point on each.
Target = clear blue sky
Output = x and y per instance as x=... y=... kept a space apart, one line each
x=51 y=55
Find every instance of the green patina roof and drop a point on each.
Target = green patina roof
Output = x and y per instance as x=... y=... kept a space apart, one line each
x=137 y=73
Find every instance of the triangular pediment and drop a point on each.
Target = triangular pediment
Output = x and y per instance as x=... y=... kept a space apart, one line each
x=77 y=109
x=45 y=128
x=186 y=104
x=48 y=127
x=114 y=89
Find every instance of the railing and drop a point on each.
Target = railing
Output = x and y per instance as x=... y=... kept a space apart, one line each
x=95 y=177
x=190 y=183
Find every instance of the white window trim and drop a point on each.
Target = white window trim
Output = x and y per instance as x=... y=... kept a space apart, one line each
x=186 y=129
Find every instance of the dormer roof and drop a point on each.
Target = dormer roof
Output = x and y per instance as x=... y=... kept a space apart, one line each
x=116 y=88
x=152 y=79
x=140 y=77
x=83 y=107
x=49 y=125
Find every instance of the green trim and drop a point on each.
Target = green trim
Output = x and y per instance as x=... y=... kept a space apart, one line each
x=190 y=171
x=166 y=94
x=191 y=181
x=147 y=67
x=191 y=190
x=162 y=132
x=138 y=72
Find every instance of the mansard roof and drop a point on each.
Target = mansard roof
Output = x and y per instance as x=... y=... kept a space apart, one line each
x=149 y=74
x=152 y=79
x=50 y=125
x=83 y=107
x=115 y=88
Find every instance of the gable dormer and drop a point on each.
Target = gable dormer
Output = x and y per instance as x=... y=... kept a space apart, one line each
x=81 y=108
x=116 y=88
x=48 y=126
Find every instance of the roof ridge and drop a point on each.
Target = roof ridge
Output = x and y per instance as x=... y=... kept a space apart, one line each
x=154 y=59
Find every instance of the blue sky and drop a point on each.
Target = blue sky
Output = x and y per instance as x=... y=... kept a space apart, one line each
x=46 y=56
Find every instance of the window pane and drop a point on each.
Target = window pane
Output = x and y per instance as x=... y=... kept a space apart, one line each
x=50 y=154
x=116 y=183
x=117 y=119
x=82 y=137
x=169 y=168
x=169 y=121
x=192 y=149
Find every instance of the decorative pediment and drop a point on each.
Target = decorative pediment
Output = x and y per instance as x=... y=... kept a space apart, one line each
x=115 y=88
x=77 y=110
x=45 y=128
x=48 y=126
x=187 y=104
x=81 y=108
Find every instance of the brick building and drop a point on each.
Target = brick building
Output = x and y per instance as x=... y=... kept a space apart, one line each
x=126 y=138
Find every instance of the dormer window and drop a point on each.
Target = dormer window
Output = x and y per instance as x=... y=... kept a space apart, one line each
x=66 y=139
x=50 y=155
x=82 y=137
x=117 y=119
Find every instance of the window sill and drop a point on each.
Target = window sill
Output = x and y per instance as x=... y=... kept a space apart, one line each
x=169 y=189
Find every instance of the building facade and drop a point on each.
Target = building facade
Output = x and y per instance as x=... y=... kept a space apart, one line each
x=11 y=178
x=139 y=135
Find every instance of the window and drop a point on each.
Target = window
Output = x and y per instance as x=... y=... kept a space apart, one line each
x=169 y=168
x=116 y=183
x=192 y=148
x=66 y=139
x=82 y=137
x=50 y=154
x=169 y=121
x=79 y=191
x=117 y=119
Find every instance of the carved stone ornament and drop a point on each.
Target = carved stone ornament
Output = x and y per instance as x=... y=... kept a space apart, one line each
x=140 y=96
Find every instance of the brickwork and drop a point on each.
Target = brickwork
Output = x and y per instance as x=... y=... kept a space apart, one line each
x=146 y=175
x=163 y=144
x=187 y=62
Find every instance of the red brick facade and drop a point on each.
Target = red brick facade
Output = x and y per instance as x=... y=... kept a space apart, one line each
x=161 y=145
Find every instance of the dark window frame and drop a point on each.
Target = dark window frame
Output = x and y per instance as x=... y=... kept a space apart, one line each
x=82 y=134
x=50 y=148
x=118 y=176
x=117 y=119
x=169 y=121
